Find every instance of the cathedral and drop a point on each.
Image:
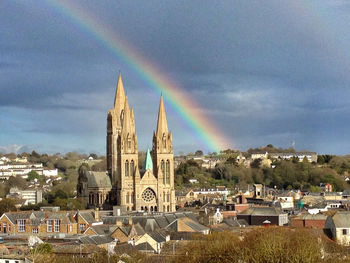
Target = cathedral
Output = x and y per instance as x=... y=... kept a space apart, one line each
x=125 y=184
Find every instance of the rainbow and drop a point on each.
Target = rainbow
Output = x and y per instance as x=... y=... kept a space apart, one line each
x=205 y=130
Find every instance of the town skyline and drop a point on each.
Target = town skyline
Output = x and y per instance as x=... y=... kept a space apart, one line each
x=259 y=82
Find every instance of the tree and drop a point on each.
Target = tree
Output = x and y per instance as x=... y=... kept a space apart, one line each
x=256 y=163
x=7 y=205
x=17 y=181
x=199 y=153
x=33 y=175
x=100 y=166
x=61 y=194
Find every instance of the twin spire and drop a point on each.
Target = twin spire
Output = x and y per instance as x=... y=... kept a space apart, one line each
x=162 y=124
x=120 y=93
x=121 y=103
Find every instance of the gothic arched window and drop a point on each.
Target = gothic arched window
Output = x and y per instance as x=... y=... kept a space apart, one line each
x=126 y=168
x=128 y=141
x=127 y=198
x=167 y=172
x=162 y=167
x=132 y=168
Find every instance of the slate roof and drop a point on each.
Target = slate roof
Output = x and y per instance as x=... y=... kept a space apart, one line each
x=158 y=236
x=161 y=221
x=88 y=216
x=126 y=229
x=96 y=239
x=103 y=229
x=149 y=223
x=139 y=230
x=341 y=219
x=98 y=179
x=195 y=226
x=235 y=222
x=145 y=246
x=262 y=211
x=36 y=217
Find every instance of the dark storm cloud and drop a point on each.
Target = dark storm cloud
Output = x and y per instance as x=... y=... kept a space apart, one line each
x=265 y=73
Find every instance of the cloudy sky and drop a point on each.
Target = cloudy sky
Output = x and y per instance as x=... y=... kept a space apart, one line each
x=262 y=71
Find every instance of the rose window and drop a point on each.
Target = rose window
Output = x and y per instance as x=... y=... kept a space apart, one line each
x=148 y=195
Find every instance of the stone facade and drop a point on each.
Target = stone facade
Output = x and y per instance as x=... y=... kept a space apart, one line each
x=149 y=188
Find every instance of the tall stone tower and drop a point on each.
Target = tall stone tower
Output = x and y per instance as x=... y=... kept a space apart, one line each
x=122 y=153
x=150 y=188
x=163 y=160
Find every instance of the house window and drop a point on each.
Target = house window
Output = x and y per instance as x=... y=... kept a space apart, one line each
x=345 y=232
x=21 y=225
x=9 y=227
x=82 y=227
x=49 y=225
x=57 y=225
x=70 y=228
x=35 y=231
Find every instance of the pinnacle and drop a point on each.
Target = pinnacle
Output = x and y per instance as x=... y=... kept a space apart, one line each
x=120 y=93
x=162 y=125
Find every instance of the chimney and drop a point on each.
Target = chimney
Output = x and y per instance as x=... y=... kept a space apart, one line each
x=71 y=216
x=119 y=222
x=96 y=214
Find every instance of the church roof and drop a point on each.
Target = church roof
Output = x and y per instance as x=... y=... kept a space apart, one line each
x=148 y=161
x=98 y=179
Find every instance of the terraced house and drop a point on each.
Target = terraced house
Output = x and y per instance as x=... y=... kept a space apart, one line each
x=46 y=223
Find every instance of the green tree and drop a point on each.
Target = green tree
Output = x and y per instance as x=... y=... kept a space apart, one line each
x=17 y=181
x=199 y=153
x=7 y=205
x=33 y=175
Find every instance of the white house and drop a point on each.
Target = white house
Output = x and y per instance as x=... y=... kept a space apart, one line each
x=339 y=226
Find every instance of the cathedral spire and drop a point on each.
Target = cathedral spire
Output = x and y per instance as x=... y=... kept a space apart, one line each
x=120 y=93
x=148 y=161
x=162 y=125
x=126 y=117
